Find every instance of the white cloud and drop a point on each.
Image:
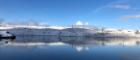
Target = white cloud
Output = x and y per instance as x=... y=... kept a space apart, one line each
x=100 y=8
x=79 y=23
x=131 y=17
x=121 y=6
x=116 y=4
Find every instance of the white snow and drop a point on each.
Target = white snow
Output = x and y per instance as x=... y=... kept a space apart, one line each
x=5 y=34
x=56 y=27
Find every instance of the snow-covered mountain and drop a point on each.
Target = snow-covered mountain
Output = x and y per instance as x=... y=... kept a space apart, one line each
x=74 y=30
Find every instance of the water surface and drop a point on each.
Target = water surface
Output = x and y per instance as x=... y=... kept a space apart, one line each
x=69 y=48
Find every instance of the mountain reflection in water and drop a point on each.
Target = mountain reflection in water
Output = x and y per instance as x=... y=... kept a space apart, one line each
x=55 y=44
x=73 y=41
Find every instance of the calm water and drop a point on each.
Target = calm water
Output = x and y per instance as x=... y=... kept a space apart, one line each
x=69 y=48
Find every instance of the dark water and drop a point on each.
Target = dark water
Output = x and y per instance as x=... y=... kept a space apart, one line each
x=69 y=48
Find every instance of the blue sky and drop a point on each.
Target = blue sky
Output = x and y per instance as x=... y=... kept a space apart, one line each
x=101 y=13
